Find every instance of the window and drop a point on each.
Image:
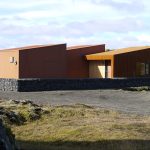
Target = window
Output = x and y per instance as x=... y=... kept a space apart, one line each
x=142 y=69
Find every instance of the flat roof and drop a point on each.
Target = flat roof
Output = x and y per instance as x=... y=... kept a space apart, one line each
x=28 y=47
x=77 y=47
x=82 y=46
x=109 y=54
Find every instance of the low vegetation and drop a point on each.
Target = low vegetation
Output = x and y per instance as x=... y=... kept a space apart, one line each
x=138 y=89
x=74 y=127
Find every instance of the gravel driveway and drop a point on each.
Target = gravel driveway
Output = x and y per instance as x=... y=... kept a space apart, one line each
x=126 y=101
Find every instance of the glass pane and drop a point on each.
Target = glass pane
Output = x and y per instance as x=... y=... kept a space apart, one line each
x=142 y=68
x=146 y=69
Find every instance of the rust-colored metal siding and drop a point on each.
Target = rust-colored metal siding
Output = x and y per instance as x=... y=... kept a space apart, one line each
x=49 y=61
x=43 y=62
x=77 y=65
x=125 y=64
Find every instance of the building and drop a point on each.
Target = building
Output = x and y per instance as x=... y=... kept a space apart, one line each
x=33 y=62
x=77 y=65
x=60 y=61
x=121 y=63
x=47 y=61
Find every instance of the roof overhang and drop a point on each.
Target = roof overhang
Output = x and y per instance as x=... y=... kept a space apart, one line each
x=99 y=57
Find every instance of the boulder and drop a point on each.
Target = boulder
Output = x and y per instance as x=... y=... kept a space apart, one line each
x=7 y=140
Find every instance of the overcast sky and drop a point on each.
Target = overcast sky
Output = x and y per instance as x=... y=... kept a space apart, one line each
x=116 y=23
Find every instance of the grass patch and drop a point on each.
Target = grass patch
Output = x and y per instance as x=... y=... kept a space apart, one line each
x=80 y=127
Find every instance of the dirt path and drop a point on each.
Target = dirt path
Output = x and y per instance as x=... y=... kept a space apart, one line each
x=127 y=101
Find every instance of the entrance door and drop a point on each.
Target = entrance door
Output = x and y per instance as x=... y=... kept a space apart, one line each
x=97 y=69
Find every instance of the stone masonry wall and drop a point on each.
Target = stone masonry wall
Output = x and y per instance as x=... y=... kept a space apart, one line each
x=25 y=85
x=8 y=85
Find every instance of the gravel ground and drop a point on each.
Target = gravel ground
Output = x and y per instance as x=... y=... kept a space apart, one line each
x=126 y=101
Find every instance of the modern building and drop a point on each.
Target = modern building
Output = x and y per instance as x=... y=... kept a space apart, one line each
x=47 y=61
x=77 y=65
x=58 y=61
x=121 y=63
x=33 y=62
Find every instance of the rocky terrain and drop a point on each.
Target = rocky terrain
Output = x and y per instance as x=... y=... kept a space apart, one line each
x=15 y=112
x=18 y=112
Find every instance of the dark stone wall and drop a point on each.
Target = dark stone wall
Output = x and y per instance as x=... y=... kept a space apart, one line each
x=79 y=84
x=25 y=85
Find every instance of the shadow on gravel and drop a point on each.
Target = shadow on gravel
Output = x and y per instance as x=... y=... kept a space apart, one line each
x=86 y=145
